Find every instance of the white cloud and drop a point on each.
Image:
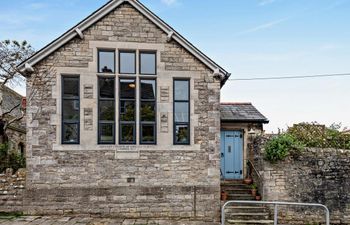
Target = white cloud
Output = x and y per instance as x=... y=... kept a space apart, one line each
x=266 y=2
x=37 y=5
x=169 y=2
x=263 y=26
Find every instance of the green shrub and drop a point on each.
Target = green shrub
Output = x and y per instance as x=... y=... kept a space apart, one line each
x=10 y=159
x=278 y=148
x=319 y=136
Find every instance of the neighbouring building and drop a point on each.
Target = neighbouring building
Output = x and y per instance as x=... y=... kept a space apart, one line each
x=129 y=123
x=346 y=131
x=11 y=108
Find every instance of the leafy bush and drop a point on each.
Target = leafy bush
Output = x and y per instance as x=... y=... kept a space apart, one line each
x=10 y=159
x=320 y=136
x=302 y=135
x=278 y=148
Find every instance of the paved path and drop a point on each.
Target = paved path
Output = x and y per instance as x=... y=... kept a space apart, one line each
x=46 y=220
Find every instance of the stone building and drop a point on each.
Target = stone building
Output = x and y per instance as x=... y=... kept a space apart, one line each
x=128 y=125
x=10 y=108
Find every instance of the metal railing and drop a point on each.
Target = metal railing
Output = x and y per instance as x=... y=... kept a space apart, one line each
x=260 y=183
x=275 y=204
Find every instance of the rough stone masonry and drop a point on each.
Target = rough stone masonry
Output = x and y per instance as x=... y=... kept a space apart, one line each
x=316 y=176
x=160 y=181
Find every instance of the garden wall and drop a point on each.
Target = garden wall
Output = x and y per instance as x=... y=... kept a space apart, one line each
x=12 y=187
x=316 y=176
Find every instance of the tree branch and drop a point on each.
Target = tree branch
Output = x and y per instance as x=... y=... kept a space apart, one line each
x=7 y=124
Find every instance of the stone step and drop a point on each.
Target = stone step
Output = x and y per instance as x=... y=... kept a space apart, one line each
x=240 y=197
x=244 y=222
x=245 y=208
x=239 y=191
x=234 y=184
x=224 y=182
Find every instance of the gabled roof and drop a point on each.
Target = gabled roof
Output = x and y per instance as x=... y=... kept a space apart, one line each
x=241 y=112
x=106 y=9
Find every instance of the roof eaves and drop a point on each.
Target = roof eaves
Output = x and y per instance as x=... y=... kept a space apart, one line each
x=265 y=121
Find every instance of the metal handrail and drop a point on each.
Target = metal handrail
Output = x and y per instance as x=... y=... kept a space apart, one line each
x=276 y=204
x=256 y=171
x=259 y=177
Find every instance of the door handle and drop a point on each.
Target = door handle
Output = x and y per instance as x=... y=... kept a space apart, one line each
x=222 y=155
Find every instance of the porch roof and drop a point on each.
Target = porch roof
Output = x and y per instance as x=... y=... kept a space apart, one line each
x=241 y=112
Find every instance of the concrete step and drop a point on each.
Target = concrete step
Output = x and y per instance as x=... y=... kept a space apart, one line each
x=244 y=222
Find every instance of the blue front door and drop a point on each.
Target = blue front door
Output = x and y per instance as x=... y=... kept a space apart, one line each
x=232 y=154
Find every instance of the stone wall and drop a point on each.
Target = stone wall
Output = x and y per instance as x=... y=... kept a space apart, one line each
x=163 y=180
x=317 y=176
x=12 y=187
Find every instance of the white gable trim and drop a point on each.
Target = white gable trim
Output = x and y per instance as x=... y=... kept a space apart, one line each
x=102 y=12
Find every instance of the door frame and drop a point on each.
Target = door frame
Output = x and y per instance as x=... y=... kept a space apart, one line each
x=244 y=151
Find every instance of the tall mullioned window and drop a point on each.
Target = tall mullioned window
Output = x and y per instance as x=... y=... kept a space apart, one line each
x=136 y=94
x=181 y=112
x=106 y=110
x=70 y=110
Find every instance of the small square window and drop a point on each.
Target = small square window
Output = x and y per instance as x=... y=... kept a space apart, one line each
x=148 y=65
x=148 y=133
x=127 y=134
x=107 y=133
x=70 y=133
x=106 y=61
x=127 y=62
x=182 y=134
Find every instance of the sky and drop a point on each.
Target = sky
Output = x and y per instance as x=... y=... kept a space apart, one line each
x=249 y=38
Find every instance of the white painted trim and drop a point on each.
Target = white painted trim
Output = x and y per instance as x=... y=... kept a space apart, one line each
x=80 y=33
x=170 y=35
x=95 y=17
x=28 y=68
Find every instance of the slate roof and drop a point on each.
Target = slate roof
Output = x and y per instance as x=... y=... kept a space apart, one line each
x=241 y=112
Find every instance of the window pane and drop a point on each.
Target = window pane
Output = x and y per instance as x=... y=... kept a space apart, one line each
x=127 y=62
x=106 y=61
x=71 y=110
x=148 y=89
x=181 y=112
x=71 y=87
x=148 y=133
x=127 y=133
x=148 y=63
x=106 y=111
x=127 y=110
x=148 y=112
x=182 y=134
x=107 y=87
x=127 y=89
x=182 y=90
x=70 y=133
x=107 y=133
